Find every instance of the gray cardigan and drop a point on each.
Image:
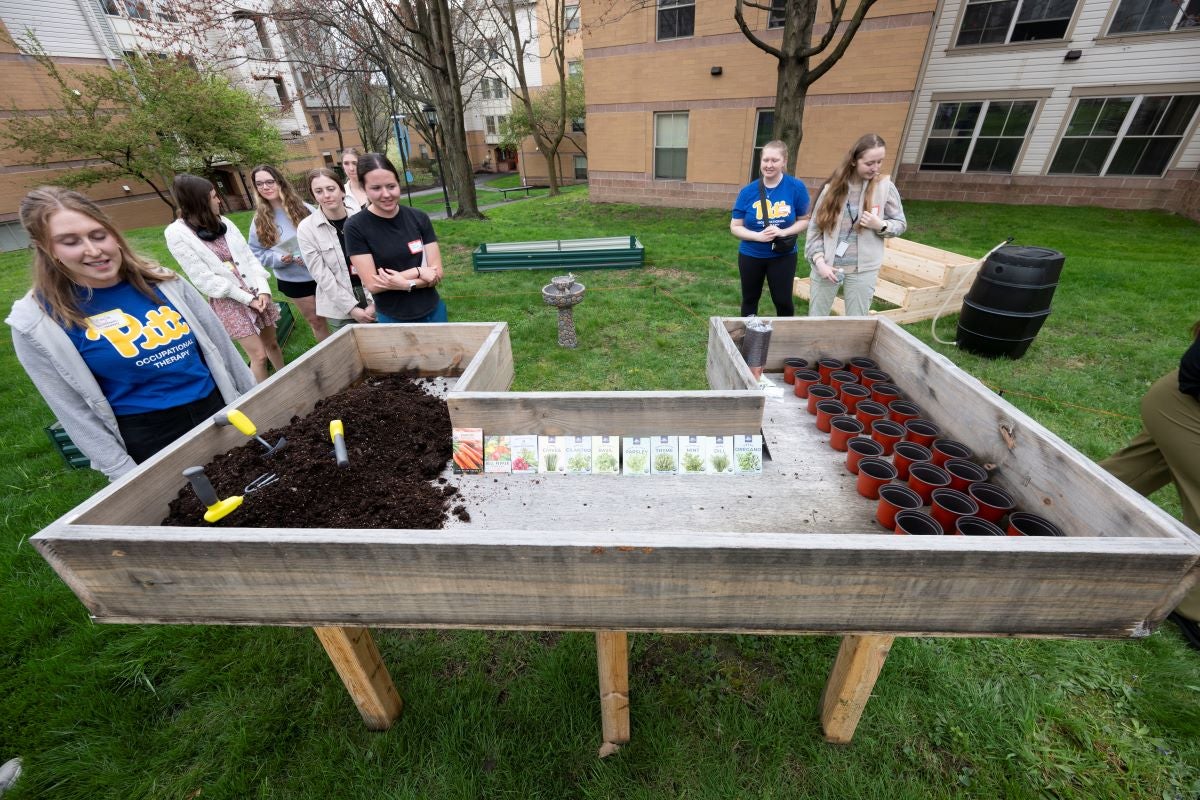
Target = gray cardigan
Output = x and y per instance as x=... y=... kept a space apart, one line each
x=870 y=243
x=69 y=388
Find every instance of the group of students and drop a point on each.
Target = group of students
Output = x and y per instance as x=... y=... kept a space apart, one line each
x=130 y=357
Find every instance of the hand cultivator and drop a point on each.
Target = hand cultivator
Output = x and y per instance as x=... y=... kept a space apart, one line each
x=240 y=421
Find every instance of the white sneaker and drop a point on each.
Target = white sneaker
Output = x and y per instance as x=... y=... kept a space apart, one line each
x=9 y=774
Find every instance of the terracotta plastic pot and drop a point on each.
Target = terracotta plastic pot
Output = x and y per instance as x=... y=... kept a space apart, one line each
x=858 y=448
x=895 y=497
x=946 y=449
x=993 y=501
x=976 y=526
x=818 y=392
x=839 y=378
x=859 y=363
x=887 y=433
x=901 y=411
x=963 y=473
x=870 y=376
x=921 y=431
x=827 y=366
x=867 y=411
x=841 y=430
x=802 y=380
x=826 y=411
x=924 y=478
x=872 y=474
x=1022 y=523
x=884 y=393
x=851 y=394
x=790 y=365
x=916 y=523
x=905 y=454
x=950 y=504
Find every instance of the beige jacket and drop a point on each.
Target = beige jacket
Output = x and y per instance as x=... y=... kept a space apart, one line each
x=322 y=254
x=870 y=243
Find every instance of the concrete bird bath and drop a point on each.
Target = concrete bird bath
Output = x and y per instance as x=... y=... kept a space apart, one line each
x=564 y=293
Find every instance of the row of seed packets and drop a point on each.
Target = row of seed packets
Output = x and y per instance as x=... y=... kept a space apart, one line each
x=609 y=455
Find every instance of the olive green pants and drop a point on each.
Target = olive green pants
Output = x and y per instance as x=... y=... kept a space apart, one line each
x=857 y=290
x=1167 y=449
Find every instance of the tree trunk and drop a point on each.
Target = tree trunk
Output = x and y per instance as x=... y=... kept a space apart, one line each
x=791 y=86
x=448 y=100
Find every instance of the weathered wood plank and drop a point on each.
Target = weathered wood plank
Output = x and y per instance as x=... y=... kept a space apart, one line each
x=811 y=337
x=359 y=665
x=612 y=664
x=491 y=370
x=725 y=367
x=859 y=661
x=441 y=348
x=927 y=251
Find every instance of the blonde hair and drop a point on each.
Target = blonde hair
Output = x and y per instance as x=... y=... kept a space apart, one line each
x=827 y=216
x=264 y=214
x=53 y=286
x=776 y=144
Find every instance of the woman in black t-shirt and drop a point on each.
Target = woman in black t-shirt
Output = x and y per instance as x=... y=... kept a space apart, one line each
x=394 y=249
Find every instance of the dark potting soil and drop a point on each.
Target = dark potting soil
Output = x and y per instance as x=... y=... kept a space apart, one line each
x=398 y=438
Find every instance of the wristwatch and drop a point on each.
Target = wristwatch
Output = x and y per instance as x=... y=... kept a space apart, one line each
x=411 y=284
x=883 y=229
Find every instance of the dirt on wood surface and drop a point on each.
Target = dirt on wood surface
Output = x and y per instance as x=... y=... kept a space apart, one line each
x=398 y=438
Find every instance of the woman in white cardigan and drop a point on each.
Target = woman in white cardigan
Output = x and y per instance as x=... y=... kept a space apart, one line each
x=341 y=297
x=216 y=258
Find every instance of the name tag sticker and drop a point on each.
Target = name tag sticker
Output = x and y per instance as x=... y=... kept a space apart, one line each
x=416 y=246
x=107 y=320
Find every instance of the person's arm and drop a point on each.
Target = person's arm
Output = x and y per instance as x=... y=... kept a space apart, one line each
x=430 y=272
x=800 y=206
x=374 y=278
x=202 y=267
x=324 y=270
x=814 y=244
x=268 y=257
x=890 y=221
x=252 y=270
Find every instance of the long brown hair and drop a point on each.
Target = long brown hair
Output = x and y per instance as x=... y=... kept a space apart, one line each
x=838 y=186
x=52 y=284
x=192 y=193
x=264 y=215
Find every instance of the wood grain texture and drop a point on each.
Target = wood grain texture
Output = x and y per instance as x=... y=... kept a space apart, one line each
x=725 y=367
x=491 y=370
x=859 y=661
x=359 y=665
x=439 y=348
x=612 y=663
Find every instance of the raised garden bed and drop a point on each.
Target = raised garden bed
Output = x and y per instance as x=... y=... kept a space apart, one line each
x=607 y=252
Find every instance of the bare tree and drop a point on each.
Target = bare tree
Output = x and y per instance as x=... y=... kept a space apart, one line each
x=795 y=54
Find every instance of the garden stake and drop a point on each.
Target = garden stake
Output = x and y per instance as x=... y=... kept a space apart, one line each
x=240 y=421
x=339 y=443
x=203 y=488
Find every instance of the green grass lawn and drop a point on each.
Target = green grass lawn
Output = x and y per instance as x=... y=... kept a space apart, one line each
x=228 y=712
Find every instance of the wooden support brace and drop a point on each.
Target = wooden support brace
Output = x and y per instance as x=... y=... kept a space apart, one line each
x=357 y=661
x=612 y=662
x=859 y=660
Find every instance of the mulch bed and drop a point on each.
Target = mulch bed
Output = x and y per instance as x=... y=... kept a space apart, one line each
x=398 y=438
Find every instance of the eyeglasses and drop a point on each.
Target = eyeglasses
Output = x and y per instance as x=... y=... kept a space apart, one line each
x=265 y=184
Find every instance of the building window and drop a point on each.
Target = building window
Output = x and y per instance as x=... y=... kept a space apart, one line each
x=1003 y=21
x=580 y=168
x=489 y=124
x=777 y=14
x=164 y=10
x=423 y=149
x=316 y=119
x=1124 y=135
x=978 y=136
x=1141 y=16
x=676 y=18
x=579 y=125
x=763 y=128
x=574 y=68
x=571 y=17
x=136 y=9
x=670 y=146
x=333 y=122
x=111 y=8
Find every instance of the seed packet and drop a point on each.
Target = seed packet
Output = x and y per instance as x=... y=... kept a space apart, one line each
x=691 y=455
x=635 y=455
x=664 y=455
x=577 y=451
x=467 y=448
x=524 y=453
x=747 y=453
x=719 y=455
x=551 y=454
x=497 y=454
x=606 y=455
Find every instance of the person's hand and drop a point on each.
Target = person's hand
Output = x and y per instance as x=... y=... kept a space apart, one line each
x=392 y=279
x=825 y=271
x=363 y=315
x=769 y=233
x=260 y=303
x=287 y=258
x=870 y=220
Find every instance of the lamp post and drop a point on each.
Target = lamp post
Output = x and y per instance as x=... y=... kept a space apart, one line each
x=401 y=146
x=431 y=118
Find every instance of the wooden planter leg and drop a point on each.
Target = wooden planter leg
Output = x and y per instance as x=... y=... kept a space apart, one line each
x=357 y=661
x=612 y=662
x=859 y=660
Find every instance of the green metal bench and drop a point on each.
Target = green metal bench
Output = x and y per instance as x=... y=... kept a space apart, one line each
x=606 y=252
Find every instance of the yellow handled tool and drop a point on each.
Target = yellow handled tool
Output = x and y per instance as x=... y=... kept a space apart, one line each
x=338 y=435
x=240 y=421
x=203 y=487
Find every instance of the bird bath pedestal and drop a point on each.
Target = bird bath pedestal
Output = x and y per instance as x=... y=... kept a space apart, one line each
x=564 y=293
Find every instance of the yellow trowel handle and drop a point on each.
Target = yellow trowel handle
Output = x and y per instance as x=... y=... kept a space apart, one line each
x=240 y=421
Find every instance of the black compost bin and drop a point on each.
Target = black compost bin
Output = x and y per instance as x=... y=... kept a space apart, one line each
x=1009 y=300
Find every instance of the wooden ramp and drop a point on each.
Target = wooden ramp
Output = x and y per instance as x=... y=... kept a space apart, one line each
x=916 y=278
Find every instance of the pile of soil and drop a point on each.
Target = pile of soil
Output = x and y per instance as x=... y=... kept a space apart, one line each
x=398 y=438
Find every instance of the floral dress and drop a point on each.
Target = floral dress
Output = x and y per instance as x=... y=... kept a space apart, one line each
x=239 y=320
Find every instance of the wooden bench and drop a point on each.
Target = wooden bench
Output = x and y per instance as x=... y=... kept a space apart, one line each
x=916 y=278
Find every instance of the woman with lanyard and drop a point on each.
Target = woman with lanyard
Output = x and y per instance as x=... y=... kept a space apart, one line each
x=854 y=213
x=341 y=298
x=277 y=212
x=126 y=353
x=394 y=249
x=768 y=216
x=215 y=257
x=356 y=198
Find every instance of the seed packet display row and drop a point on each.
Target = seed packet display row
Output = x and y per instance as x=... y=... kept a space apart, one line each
x=608 y=455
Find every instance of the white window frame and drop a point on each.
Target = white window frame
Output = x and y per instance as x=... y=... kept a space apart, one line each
x=673 y=5
x=489 y=125
x=579 y=159
x=662 y=115
x=1012 y=24
x=570 y=17
x=1180 y=14
x=775 y=16
x=1119 y=139
x=985 y=105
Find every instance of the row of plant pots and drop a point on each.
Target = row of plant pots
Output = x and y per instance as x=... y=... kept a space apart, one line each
x=867 y=417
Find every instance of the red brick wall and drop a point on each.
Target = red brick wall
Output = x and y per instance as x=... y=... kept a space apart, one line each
x=1177 y=191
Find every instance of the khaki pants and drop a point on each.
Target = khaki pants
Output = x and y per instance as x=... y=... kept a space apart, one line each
x=1167 y=449
x=859 y=288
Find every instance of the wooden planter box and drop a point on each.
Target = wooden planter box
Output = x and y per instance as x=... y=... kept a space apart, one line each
x=794 y=550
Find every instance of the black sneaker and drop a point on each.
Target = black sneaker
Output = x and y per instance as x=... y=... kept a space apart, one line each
x=1188 y=627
